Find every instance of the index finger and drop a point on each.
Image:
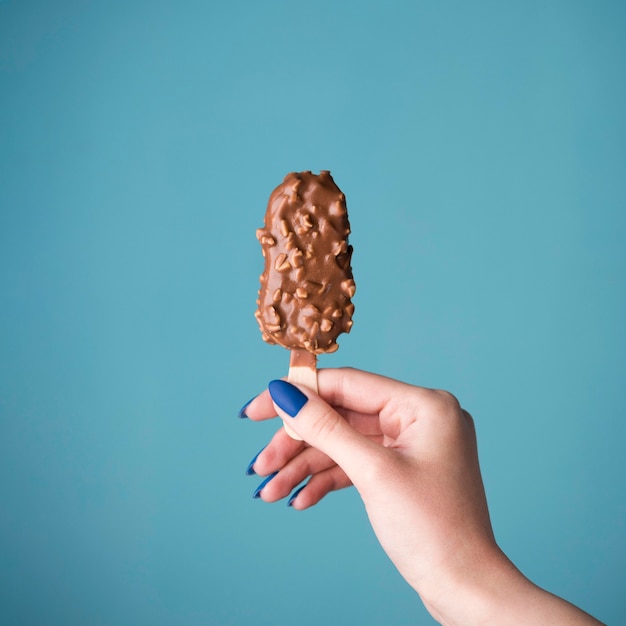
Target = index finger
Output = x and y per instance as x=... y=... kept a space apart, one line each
x=358 y=390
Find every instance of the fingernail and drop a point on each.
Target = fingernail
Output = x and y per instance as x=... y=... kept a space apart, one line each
x=250 y=469
x=294 y=495
x=257 y=491
x=242 y=410
x=289 y=398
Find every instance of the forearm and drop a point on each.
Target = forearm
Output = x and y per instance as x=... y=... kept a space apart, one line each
x=500 y=595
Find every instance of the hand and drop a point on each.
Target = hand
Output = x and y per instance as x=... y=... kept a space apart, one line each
x=411 y=453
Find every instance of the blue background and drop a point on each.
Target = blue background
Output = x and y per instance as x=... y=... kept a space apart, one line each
x=482 y=150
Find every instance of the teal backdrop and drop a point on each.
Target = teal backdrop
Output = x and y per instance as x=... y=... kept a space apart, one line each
x=482 y=149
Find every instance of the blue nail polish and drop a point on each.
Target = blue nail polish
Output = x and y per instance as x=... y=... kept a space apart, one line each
x=294 y=495
x=250 y=469
x=289 y=398
x=242 y=410
x=257 y=491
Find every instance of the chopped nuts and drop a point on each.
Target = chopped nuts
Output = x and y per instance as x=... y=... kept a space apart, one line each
x=340 y=247
x=291 y=242
x=281 y=264
x=314 y=286
x=296 y=258
x=268 y=338
x=348 y=287
x=337 y=208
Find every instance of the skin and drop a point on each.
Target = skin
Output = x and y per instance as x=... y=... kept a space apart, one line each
x=411 y=453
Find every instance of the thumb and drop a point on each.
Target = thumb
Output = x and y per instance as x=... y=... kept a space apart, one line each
x=322 y=427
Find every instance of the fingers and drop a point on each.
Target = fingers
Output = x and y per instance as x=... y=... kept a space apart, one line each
x=359 y=428
x=322 y=427
x=284 y=453
x=259 y=408
x=357 y=390
x=318 y=487
x=342 y=423
x=325 y=476
x=352 y=389
x=278 y=452
x=286 y=463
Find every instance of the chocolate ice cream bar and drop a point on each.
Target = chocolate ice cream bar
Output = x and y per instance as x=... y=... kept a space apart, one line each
x=304 y=301
x=306 y=289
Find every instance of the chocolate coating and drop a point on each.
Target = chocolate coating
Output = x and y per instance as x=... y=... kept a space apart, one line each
x=306 y=287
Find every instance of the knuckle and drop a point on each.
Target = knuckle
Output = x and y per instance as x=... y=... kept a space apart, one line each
x=325 y=424
x=445 y=415
x=447 y=399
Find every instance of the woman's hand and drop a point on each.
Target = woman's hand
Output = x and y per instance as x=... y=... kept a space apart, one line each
x=411 y=453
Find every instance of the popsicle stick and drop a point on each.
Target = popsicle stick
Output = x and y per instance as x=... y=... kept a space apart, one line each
x=302 y=371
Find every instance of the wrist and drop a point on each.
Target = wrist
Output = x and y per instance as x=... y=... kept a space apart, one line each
x=483 y=588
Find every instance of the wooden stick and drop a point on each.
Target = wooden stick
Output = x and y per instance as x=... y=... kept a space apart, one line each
x=302 y=371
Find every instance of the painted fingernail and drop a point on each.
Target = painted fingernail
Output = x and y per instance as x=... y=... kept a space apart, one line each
x=289 y=398
x=257 y=491
x=242 y=410
x=250 y=469
x=294 y=495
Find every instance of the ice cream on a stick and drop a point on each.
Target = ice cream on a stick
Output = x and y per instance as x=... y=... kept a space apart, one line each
x=306 y=288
